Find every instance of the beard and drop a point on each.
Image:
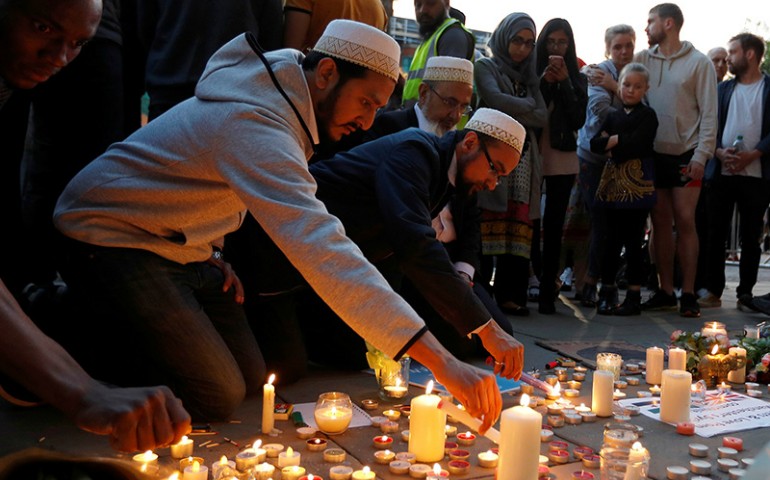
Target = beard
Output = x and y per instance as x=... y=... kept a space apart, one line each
x=436 y=128
x=429 y=25
x=325 y=116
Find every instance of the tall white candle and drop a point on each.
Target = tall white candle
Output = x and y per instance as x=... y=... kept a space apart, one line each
x=739 y=375
x=654 y=365
x=268 y=406
x=677 y=359
x=520 y=442
x=601 y=399
x=427 y=424
x=675 y=396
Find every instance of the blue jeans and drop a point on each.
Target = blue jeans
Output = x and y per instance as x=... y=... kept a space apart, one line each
x=171 y=319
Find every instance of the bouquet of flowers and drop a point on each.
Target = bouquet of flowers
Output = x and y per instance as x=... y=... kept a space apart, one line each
x=697 y=345
x=757 y=358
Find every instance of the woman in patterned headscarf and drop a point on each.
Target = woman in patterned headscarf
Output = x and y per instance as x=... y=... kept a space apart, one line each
x=507 y=82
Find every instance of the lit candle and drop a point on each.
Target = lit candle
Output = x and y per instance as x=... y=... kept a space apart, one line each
x=396 y=391
x=273 y=449
x=519 y=445
x=675 y=396
x=246 y=459
x=677 y=359
x=223 y=465
x=382 y=442
x=638 y=458
x=293 y=472
x=426 y=427
x=334 y=455
x=384 y=456
x=196 y=471
x=724 y=388
x=186 y=462
x=466 y=438
x=261 y=452
x=583 y=475
x=601 y=400
x=554 y=393
x=316 y=444
x=582 y=408
x=289 y=458
x=737 y=375
x=618 y=395
x=340 y=472
x=392 y=414
x=655 y=390
x=146 y=457
x=399 y=467
x=488 y=459
x=182 y=449
x=437 y=473
x=333 y=420
x=310 y=476
x=450 y=431
x=654 y=365
x=364 y=474
x=459 y=467
x=712 y=329
x=263 y=471
x=268 y=405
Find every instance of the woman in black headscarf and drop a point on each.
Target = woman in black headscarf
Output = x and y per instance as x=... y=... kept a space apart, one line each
x=507 y=82
x=564 y=90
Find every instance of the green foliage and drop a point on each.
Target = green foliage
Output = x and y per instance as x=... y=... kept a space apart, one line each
x=756 y=348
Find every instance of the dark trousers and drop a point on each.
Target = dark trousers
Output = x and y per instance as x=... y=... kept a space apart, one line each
x=557 y=193
x=588 y=182
x=625 y=228
x=751 y=195
x=511 y=277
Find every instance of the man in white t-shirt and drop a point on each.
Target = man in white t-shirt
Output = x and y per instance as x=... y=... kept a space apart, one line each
x=739 y=175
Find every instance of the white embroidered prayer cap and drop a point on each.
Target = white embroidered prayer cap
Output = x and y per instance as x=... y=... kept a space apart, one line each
x=448 y=69
x=498 y=125
x=362 y=45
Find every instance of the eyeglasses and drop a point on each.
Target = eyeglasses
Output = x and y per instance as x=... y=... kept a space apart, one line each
x=518 y=41
x=492 y=169
x=451 y=103
x=562 y=42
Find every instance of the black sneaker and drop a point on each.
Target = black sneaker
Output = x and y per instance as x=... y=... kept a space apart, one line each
x=661 y=301
x=688 y=305
x=746 y=303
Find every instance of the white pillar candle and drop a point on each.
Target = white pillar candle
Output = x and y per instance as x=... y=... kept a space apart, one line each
x=677 y=359
x=196 y=471
x=738 y=375
x=601 y=400
x=426 y=427
x=654 y=365
x=638 y=458
x=519 y=442
x=268 y=406
x=675 y=396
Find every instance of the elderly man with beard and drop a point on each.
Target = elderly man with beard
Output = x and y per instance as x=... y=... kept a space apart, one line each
x=443 y=36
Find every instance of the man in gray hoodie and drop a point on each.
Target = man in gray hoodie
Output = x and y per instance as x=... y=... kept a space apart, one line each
x=146 y=219
x=683 y=95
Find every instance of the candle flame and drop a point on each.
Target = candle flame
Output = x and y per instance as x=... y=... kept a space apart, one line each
x=310 y=476
x=366 y=470
x=289 y=452
x=524 y=402
x=437 y=469
x=398 y=382
x=271 y=379
x=196 y=466
x=184 y=439
x=715 y=349
x=429 y=387
x=257 y=444
x=223 y=460
x=637 y=446
x=174 y=476
x=556 y=388
x=143 y=468
x=148 y=455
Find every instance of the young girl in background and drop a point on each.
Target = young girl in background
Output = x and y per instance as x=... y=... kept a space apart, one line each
x=626 y=187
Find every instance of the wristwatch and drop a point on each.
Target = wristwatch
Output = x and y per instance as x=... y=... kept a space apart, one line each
x=216 y=254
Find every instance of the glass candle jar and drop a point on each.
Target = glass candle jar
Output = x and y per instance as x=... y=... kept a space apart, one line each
x=610 y=362
x=333 y=412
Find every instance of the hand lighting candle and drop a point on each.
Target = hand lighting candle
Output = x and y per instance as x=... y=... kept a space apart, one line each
x=519 y=446
x=426 y=427
x=268 y=406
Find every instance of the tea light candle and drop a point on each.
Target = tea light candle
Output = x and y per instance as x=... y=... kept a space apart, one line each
x=182 y=449
x=543 y=471
x=340 y=472
x=426 y=427
x=698 y=450
x=488 y=459
x=378 y=420
x=725 y=464
x=223 y=465
x=558 y=456
x=186 y=462
x=621 y=418
x=654 y=365
x=675 y=396
x=554 y=393
x=399 y=467
x=620 y=384
x=579 y=376
x=541 y=459
x=310 y=476
x=263 y=471
x=289 y=458
x=555 y=409
x=747 y=462
x=676 y=473
x=459 y=454
x=196 y=471
x=632 y=410
x=701 y=467
x=408 y=457
x=727 y=452
x=146 y=457
x=754 y=393
x=293 y=472
x=551 y=380
x=751 y=386
x=333 y=420
x=273 y=449
x=389 y=426
x=555 y=421
x=419 y=470
x=573 y=419
x=268 y=405
x=685 y=428
x=733 y=442
x=334 y=455
x=632 y=367
x=382 y=442
x=737 y=375
x=736 y=473
x=712 y=329
x=459 y=467
x=246 y=459
x=305 y=432
x=384 y=457
x=591 y=461
x=370 y=404
x=438 y=473
x=317 y=444
x=571 y=393
x=466 y=438
x=618 y=395
x=392 y=415
x=450 y=431
x=588 y=417
x=405 y=436
x=546 y=435
x=582 y=475
x=601 y=401
x=581 y=452
x=582 y=408
x=643 y=394
x=528 y=389
x=574 y=384
x=557 y=445
x=724 y=388
x=449 y=446
x=406 y=410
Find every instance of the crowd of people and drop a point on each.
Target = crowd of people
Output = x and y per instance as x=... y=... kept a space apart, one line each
x=269 y=206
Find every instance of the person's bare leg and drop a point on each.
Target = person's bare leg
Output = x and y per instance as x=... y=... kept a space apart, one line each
x=663 y=240
x=685 y=200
